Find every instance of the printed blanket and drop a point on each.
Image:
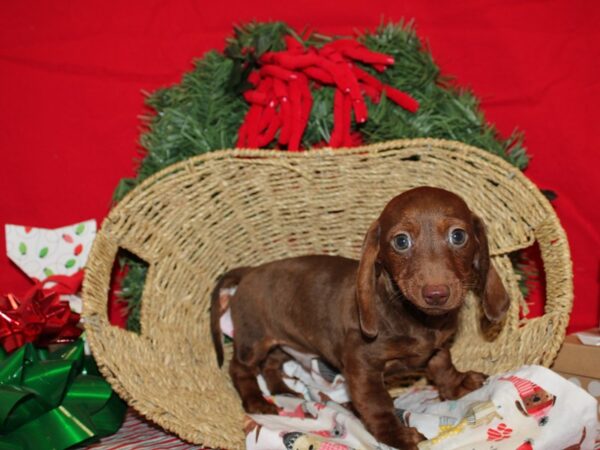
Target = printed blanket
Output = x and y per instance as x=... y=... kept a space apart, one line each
x=529 y=408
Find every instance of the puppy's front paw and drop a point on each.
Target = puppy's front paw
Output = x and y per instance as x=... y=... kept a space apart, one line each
x=473 y=380
x=407 y=438
x=468 y=382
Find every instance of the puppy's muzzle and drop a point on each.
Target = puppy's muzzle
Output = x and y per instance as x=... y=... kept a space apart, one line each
x=436 y=294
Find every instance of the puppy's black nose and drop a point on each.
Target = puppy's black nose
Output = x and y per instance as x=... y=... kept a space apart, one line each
x=436 y=294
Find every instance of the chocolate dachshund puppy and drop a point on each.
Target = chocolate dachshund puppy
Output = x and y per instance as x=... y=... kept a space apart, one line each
x=394 y=311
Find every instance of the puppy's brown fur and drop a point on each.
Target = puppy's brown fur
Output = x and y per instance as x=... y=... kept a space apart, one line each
x=394 y=311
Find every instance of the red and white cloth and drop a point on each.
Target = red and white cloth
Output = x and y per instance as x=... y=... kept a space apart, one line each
x=529 y=408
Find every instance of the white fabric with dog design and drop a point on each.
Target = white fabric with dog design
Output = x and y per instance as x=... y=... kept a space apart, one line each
x=526 y=409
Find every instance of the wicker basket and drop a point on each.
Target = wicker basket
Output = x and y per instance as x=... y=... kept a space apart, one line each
x=198 y=218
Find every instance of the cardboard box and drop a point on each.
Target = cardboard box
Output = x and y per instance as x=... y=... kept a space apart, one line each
x=580 y=364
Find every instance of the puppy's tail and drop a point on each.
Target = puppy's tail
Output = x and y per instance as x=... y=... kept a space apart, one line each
x=219 y=304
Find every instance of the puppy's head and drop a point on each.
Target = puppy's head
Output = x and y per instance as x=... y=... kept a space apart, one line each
x=434 y=249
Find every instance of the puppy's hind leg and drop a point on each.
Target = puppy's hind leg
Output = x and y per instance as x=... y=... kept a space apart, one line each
x=272 y=371
x=243 y=372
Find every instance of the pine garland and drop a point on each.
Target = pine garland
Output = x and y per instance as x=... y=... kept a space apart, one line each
x=203 y=112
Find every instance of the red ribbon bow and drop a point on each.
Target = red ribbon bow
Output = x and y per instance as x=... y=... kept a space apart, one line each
x=282 y=101
x=40 y=316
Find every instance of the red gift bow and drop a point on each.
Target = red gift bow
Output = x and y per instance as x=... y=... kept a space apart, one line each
x=281 y=100
x=40 y=316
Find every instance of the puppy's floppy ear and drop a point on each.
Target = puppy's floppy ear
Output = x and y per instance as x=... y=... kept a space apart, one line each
x=366 y=282
x=489 y=286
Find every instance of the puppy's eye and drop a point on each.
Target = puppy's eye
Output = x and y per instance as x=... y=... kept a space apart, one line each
x=401 y=242
x=457 y=237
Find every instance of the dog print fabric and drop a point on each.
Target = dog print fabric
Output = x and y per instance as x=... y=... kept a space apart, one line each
x=529 y=408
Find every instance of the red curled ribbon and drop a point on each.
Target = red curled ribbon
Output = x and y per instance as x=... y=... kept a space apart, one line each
x=40 y=316
x=281 y=99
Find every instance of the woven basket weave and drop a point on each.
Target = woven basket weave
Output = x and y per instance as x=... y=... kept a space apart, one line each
x=198 y=218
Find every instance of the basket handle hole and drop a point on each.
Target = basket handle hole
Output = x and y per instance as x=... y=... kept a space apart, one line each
x=528 y=262
x=128 y=278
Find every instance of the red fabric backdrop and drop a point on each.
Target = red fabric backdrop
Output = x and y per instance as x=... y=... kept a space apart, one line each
x=72 y=75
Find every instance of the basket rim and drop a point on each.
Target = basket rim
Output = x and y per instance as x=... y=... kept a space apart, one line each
x=254 y=155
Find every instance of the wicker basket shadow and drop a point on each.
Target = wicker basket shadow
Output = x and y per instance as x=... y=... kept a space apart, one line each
x=198 y=218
